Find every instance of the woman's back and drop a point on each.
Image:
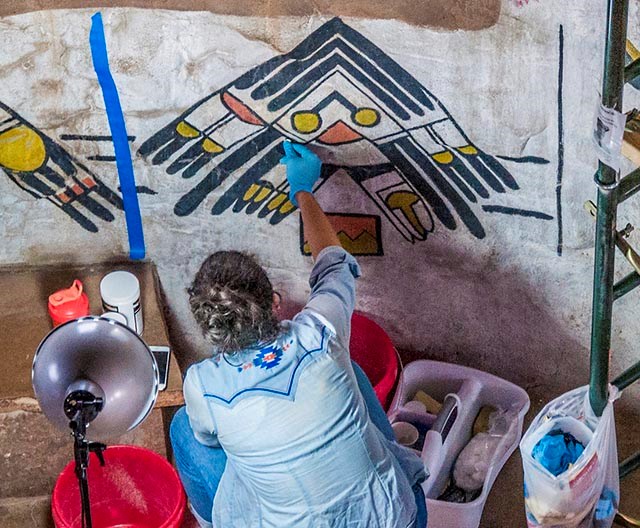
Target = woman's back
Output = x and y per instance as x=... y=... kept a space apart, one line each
x=301 y=448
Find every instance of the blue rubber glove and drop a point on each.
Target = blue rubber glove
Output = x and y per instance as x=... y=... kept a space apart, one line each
x=303 y=168
x=607 y=505
x=556 y=451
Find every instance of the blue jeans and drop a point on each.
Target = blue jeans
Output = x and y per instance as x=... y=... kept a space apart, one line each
x=201 y=467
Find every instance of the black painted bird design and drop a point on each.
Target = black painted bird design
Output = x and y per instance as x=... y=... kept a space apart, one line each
x=339 y=90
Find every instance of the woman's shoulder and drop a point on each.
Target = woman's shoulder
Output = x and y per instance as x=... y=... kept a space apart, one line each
x=270 y=369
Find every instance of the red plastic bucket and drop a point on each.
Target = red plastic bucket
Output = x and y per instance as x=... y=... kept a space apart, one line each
x=136 y=488
x=372 y=349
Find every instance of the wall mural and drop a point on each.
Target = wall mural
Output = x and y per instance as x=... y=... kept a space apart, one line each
x=359 y=234
x=44 y=169
x=335 y=89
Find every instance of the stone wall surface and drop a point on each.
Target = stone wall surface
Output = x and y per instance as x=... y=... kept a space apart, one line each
x=457 y=163
x=447 y=14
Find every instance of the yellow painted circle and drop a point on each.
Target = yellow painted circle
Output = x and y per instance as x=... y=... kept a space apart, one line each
x=366 y=117
x=22 y=149
x=305 y=122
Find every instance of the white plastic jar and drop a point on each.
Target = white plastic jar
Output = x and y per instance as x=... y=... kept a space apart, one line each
x=120 y=292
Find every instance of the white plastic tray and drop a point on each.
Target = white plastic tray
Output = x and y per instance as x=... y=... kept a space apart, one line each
x=473 y=390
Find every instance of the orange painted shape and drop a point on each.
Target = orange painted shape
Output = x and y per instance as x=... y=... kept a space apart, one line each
x=241 y=110
x=358 y=234
x=63 y=197
x=354 y=226
x=77 y=189
x=89 y=182
x=338 y=133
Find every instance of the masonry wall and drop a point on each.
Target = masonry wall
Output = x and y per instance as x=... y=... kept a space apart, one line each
x=457 y=156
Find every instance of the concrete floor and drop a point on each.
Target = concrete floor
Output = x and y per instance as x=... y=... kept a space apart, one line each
x=25 y=501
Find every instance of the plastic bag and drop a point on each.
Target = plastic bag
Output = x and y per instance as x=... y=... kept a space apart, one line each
x=475 y=459
x=472 y=465
x=608 y=132
x=588 y=493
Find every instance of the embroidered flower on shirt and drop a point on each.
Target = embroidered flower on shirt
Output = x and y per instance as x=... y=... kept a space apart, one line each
x=245 y=366
x=268 y=357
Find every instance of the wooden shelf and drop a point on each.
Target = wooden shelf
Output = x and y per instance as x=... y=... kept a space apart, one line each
x=24 y=322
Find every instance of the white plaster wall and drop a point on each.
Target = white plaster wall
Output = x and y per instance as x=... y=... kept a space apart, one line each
x=507 y=303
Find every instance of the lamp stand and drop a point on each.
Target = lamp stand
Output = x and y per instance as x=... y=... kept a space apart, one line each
x=82 y=407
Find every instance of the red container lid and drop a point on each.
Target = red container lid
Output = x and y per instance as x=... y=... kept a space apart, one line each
x=69 y=303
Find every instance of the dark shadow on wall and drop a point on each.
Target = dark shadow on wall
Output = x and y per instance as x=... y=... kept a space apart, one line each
x=481 y=314
x=444 y=14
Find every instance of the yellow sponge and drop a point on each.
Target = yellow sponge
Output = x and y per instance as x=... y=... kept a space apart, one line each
x=482 y=420
x=433 y=406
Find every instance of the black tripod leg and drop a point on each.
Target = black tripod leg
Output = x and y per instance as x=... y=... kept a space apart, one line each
x=81 y=455
x=84 y=497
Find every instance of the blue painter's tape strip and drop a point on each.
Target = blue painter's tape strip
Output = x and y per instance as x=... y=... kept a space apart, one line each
x=119 y=135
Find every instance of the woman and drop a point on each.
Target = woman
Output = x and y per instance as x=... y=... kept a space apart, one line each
x=281 y=428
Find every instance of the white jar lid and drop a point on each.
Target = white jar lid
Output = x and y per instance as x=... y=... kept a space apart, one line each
x=119 y=287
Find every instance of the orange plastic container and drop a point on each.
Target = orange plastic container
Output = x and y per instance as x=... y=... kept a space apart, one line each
x=68 y=304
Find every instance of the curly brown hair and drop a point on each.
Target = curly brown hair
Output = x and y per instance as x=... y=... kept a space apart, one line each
x=231 y=299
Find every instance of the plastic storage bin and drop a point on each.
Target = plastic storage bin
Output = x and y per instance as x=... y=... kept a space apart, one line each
x=468 y=390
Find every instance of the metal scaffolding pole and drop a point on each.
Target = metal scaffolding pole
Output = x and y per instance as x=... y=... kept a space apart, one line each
x=612 y=191
x=607 y=179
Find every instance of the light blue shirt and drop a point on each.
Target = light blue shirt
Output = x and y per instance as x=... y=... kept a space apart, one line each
x=302 y=451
